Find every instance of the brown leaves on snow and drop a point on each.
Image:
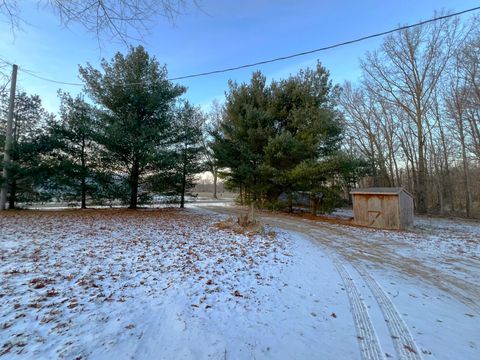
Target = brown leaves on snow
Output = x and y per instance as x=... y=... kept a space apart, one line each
x=72 y=262
x=38 y=283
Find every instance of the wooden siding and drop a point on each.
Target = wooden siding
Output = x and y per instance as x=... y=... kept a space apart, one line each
x=383 y=210
x=406 y=210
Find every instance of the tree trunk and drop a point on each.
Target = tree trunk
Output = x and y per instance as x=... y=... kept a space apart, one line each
x=84 y=193
x=373 y=165
x=134 y=177
x=421 y=175
x=184 y=180
x=83 y=184
x=409 y=180
x=215 y=176
x=466 y=175
x=12 y=197
x=314 y=208
x=252 y=216
x=397 y=174
x=475 y=131
x=13 y=190
x=447 y=181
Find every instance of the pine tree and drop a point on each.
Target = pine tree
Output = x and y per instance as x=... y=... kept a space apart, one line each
x=244 y=132
x=283 y=138
x=26 y=171
x=308 y=128
x=74 y=149
x=136 y=103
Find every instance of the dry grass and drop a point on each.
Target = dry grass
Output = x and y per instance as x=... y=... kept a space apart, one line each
x=237 y=226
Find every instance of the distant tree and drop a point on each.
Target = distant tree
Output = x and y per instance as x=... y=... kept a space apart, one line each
x=351 y=169
x=243 y=134
x=371 y=124
x=467 y=66
x=5 y=71
x=189 y=149
x=210 y=126
x=308 y=128
x=26 y=168
x=136 y=111
x=73 y=146
x=415 y=113
x=3 y=128
x=405 y=72
x=317 y=179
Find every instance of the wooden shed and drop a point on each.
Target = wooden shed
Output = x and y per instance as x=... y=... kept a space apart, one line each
x=385 y=208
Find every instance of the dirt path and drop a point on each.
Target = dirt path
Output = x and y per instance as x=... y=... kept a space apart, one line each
x=360 y=251
x=349 y=248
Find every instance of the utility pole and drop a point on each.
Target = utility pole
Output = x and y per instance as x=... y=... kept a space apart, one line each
x=8 y=139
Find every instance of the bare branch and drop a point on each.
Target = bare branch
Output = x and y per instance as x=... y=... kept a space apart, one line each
x=123 y=20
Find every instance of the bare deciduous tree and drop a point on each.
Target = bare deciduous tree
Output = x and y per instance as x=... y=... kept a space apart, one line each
x=405 y=72
x=416 y=115
x=210 y=125
x=119 y=19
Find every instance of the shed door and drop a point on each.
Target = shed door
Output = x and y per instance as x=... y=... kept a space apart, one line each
x=374 y=209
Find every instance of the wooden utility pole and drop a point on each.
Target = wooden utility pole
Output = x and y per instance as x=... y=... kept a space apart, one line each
x=8 y=139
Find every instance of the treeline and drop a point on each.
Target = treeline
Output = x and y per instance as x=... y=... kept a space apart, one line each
x=131 y=138
x=415 y=115
x=412 y=121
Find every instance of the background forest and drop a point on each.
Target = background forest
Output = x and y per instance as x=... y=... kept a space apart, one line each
x=412 y=120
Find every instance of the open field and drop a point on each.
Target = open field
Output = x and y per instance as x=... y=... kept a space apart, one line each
x=188 y=284
x=155 y=284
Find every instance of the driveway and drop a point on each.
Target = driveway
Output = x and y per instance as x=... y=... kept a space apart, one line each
x=421 y=287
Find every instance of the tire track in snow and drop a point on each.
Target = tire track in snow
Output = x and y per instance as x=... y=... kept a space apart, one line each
x=367 y=337
x=402 y=339
x=400 y=334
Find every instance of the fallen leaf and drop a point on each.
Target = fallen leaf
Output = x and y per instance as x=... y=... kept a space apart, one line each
x=409 y=348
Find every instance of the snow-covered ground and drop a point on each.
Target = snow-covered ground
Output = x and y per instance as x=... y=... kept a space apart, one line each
x=450 y=245
x=164 y=284
x=172 y=284
x=432 y=234
x=428 y=276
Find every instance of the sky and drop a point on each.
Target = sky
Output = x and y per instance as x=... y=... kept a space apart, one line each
x=214 y=35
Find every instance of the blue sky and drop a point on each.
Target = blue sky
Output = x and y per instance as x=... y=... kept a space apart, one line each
x=219 y=34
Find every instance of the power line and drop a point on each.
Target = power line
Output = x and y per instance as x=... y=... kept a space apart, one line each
x=281 y=58
x=5 y=86
x=31 y=73
x=328 y=47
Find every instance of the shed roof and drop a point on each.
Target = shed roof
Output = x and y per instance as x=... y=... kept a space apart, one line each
x=380 y=191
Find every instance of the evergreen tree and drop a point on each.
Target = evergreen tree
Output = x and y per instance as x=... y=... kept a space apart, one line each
x=26 y=170
x=243 y=133
x=74 y=147
x=308 y=128
x=136 y=103
x=283 y=138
